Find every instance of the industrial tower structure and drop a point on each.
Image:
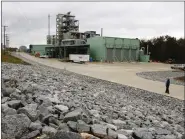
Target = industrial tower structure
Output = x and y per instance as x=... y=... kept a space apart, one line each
x=65 y=23
x=67 y=27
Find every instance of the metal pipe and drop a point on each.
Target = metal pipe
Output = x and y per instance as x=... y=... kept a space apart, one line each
x=147 y=49
x=101 y=31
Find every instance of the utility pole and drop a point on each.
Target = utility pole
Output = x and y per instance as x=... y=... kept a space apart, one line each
x=7 y=40
x=4 y=38
x=49 y=29
x=1 y=37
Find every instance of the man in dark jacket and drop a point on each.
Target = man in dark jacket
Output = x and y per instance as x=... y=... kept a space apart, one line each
x=167 y=86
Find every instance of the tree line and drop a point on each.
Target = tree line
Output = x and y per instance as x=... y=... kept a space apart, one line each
x=164 y=48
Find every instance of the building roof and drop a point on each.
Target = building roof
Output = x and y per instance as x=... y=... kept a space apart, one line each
x=81 y=45
x=116 y=37
x=42 y=44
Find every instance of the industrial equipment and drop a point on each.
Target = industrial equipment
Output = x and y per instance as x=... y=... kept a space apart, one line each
x=69 y=43
x=144 y=57
x=64 y=24
x=74 y=49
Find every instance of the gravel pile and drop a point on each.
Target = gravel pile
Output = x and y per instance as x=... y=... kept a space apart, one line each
x=38 y=101
x=162 y=76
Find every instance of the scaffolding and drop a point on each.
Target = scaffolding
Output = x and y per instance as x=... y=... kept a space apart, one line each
x=51 y=39
x=65 y=23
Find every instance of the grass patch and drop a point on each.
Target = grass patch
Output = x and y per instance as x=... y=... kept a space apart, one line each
x=7 y=57
x=182 y=79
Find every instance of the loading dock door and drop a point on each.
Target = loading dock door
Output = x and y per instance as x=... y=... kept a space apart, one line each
x=110 y=54
x=118 y=54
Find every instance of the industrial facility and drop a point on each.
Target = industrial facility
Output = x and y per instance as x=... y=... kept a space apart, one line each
x=69 y=42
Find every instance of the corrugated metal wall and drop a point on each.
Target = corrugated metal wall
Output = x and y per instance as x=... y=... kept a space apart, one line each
x=123 y=49
x=110 y=54
x=114 y=49
x=97 y=48
x=125 y=55
x=133 y=55
x=118 y=54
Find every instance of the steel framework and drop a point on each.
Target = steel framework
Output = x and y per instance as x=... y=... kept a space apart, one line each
x=65 y=23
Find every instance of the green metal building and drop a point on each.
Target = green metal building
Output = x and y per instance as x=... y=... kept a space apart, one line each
x=114 y=49
x=40 y=48
x=70 y=46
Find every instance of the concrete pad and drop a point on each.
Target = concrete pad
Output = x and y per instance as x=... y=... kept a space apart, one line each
x=123 y=73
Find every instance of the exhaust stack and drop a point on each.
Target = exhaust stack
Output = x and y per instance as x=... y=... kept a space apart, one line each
x=101 y=32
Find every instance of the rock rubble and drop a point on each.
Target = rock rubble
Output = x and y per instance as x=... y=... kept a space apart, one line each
x=38 y=101
x=162 y=76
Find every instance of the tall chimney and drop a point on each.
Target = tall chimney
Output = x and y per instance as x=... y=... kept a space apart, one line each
x=101 y=32
x=48 y=25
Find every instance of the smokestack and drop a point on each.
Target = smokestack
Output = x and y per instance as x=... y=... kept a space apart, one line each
x=101 y=32
x=48 y=25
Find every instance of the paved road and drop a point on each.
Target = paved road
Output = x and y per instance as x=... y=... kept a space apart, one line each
x=123 y=73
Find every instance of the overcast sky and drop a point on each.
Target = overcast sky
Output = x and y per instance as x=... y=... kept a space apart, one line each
x=28 y=21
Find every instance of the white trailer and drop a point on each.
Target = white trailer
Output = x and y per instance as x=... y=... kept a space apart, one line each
x=178 y=67
x=78 y=57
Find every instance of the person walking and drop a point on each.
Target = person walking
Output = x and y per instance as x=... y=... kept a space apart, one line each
x=167 y=86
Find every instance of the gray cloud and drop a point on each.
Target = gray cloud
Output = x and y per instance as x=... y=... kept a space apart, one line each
x=27 y=21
